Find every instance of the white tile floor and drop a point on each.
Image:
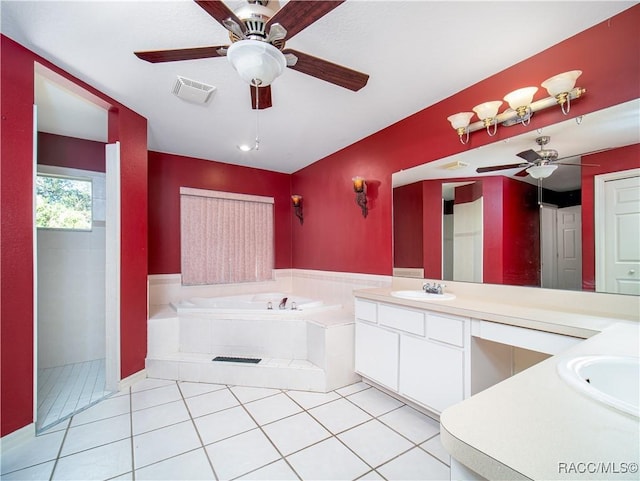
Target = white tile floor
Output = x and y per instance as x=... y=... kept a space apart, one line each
x=186 y=431
x=67 y=389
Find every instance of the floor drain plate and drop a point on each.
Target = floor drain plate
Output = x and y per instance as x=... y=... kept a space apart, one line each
x=246 y=360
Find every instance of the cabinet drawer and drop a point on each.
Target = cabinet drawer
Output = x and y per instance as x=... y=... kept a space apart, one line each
x=449 y=330
x=366 y=310
x=406 y=320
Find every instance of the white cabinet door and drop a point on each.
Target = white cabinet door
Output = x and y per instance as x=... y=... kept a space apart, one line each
x=377 y=354
x=431 y=373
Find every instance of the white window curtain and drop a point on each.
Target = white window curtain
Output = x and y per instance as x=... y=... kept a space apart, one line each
x=225 y=237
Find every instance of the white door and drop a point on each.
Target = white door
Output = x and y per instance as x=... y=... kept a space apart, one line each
x=548 y=246
x=467 y=241
x=621 y=249
x=112 y=267
x=570 y=248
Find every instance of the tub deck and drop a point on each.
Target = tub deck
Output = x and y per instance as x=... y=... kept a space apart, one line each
x=328 y=364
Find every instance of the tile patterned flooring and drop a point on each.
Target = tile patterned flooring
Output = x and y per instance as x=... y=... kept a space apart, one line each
x=162 y=429
x=67 y=389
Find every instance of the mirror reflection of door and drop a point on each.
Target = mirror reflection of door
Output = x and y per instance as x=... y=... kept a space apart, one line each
x=462 y=232
x=561 y=247
x=622 y=230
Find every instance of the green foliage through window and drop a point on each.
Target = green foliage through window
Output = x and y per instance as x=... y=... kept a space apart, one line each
x=63 y=203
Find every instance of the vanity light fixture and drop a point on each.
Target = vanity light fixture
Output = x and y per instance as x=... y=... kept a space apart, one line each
x=487 y=112
x=360 y=188
x=561 y=89
x=560 y=86
x=296 y=201
x=520 y=101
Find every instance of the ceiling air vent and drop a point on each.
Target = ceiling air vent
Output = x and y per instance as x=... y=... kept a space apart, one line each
x=193 y=91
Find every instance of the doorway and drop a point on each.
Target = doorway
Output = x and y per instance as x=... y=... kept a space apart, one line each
x=76 y=266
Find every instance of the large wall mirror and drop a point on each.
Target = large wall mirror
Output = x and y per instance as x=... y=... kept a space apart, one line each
x=577 y=229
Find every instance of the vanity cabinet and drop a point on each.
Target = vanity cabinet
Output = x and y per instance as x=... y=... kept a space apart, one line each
x=419 y=354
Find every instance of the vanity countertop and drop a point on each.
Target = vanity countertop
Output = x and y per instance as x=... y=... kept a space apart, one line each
x=535 y=426
x=511 y=311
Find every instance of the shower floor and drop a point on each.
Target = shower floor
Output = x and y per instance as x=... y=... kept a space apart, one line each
x=67 y=389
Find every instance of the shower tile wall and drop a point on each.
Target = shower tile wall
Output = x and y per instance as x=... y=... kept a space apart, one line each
x=71 y=286
x=71 y=301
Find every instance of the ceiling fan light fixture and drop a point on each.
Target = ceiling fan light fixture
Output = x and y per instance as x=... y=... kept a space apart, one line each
x=258 y=63
x=541 y=171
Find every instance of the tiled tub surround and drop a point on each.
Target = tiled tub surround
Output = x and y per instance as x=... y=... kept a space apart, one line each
x=526 y=426
x=310 y=349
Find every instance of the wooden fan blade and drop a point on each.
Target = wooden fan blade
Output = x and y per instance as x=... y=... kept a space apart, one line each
x=264 y=94
x=327 y=71
x=156 y=56
x=523 y=172
x=297 y=15
x=529 y=155
x=219 y=11
x=493 y=168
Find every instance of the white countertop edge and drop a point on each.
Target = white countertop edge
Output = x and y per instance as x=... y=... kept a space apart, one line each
x=483 y=465
x=458 y=420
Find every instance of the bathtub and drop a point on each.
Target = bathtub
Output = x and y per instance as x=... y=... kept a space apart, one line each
x=250 y=325
x=249 y=305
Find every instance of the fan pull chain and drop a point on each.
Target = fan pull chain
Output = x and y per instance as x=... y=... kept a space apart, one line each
x=257 y=114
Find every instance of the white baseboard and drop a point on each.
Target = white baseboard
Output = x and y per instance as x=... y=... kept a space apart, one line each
x=129 y=381
x=17 y=437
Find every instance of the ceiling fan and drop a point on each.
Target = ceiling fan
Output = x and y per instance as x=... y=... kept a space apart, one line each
x=257 y=25
x=538 y=164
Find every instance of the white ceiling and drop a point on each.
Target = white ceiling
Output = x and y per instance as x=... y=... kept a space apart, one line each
x=408 y=48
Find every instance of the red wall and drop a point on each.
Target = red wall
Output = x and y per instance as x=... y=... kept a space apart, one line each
x=16 y=230
x=614 y=160
x=70 y=152
x=167 y=173
x=336 y=239
x=16 y=236
x=407 y=225
x=521 y=235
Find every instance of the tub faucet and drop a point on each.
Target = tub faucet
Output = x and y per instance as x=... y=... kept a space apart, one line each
x=283 y=303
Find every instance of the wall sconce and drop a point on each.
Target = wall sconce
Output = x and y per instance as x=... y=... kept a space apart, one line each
x=360 y=188
x=561 y=89
x=296 y=201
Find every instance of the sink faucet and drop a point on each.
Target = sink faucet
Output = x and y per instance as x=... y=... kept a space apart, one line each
x=283 y=303
x=433 y=289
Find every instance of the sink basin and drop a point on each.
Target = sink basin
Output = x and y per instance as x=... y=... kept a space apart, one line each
x=422 y=296
x=610 y=380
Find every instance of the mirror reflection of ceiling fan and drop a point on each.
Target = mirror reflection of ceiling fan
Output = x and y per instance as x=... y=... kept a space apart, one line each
x=258 y=36
x=538 y=164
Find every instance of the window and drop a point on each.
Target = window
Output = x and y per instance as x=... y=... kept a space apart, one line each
x=63 y=202
x=225 y=238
